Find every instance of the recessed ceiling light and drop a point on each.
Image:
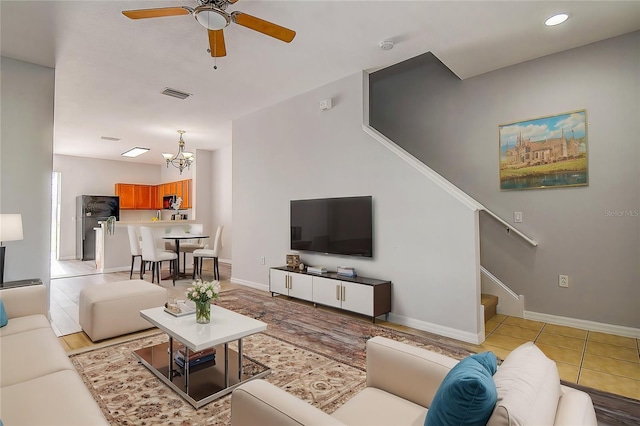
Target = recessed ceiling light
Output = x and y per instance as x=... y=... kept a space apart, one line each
x=556 y=19
x=134 y=152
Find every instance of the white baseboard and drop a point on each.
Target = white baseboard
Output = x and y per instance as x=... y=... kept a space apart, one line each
x=258 y=286
x=453 y=333
x=618 y=330
x=120 y=269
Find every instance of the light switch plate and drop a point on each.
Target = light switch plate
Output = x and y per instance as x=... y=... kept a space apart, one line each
x=517 y=217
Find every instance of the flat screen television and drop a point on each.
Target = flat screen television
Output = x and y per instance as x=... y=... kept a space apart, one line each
x=342 y=226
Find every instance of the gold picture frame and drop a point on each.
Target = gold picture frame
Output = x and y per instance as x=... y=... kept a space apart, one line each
x=545 y=152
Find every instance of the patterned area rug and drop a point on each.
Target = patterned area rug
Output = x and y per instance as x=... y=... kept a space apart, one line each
x=317 y=355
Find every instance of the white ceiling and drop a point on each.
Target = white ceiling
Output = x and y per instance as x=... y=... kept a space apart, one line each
x=110 y=70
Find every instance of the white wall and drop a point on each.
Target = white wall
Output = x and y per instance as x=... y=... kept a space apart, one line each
x=26 y=147
x=221 y=188
x=424 y=241
x=91 y=176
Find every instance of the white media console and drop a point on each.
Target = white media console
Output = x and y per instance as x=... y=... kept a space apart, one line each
x=366 y=296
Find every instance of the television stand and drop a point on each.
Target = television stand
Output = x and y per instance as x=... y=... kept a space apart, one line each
x=366 y=296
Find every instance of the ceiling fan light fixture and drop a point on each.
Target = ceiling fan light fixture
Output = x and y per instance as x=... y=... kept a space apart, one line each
x=211 y=17
x=556 y=19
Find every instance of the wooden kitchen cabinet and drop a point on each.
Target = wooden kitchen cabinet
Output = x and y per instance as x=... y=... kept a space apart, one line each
x=186 y=193
x=143 y=199
x=126 y=192
x=150 y=197
x=155 y=201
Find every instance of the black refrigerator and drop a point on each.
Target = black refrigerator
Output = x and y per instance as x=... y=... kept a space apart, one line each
x=91 y=209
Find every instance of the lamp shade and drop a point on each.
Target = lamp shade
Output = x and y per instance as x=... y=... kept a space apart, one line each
x=10 y=227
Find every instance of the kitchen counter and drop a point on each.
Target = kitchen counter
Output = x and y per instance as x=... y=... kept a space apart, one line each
x=153 y=222
x=113 y=252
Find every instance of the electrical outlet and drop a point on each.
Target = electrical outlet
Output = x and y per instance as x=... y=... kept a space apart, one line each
x=517 y=217
x=563 y=280
x=262 y=260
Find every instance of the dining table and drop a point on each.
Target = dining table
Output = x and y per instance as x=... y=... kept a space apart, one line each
x=177 y=238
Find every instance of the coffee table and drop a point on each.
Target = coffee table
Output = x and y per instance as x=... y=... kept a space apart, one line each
x=211 y=380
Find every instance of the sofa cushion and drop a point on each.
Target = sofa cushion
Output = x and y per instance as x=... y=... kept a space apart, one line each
x=467 y=395
x=528 y=387
x=3 y=315
x=22 y=324
x=54 y=399
x=31 y=354
x=373 y=406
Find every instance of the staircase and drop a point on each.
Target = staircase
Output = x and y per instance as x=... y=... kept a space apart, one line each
x=490 y=303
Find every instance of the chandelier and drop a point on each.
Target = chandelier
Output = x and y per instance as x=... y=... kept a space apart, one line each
x=183 y=159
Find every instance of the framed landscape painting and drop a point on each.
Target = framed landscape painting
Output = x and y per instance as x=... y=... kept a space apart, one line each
x=546 y=152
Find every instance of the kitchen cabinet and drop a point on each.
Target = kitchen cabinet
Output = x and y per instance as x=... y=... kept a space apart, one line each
x=143 y=199
x=186 y=193
x=155 y=201
x=126 y=192
x=149 y=197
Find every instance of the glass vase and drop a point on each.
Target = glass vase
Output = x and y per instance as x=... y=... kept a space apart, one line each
x=203 y=312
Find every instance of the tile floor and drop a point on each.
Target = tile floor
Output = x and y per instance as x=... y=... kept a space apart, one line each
x=598 y=360
x=602 y=361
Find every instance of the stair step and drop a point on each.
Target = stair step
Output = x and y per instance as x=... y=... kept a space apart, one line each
x=490 y=303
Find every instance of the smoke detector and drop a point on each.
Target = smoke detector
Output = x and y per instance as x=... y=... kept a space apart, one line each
x=386 y=45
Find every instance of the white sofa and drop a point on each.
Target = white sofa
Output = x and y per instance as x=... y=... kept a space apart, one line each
x=38 y=383
x=402 y=381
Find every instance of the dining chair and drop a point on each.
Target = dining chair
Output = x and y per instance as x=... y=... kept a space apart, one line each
x=136 y=250
x=200 y=254
x=188 y=246
x=150 y=253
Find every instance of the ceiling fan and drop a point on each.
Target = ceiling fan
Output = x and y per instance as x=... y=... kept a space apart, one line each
x=212 y=15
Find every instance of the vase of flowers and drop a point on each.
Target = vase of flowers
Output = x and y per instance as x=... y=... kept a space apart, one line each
x=203 y=293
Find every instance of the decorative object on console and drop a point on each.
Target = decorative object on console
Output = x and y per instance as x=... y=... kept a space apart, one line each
x=316 y=269
x=346 y=271
x=183 y=159
x=10 y=230
x=111 y=225
x=293 y=260
x=202 y=293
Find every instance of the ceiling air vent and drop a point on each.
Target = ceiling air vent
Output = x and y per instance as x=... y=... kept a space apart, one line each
x=175 y=93
x=109 y=138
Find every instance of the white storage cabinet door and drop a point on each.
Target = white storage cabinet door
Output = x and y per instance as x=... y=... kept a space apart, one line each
x=278 y=281
x=357 y=298
x=301 y=286
x=327 y=292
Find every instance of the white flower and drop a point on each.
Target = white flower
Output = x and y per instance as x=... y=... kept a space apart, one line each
x=209 y=294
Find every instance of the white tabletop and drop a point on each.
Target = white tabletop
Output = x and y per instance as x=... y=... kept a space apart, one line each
x=225 y=326
x=183 y=236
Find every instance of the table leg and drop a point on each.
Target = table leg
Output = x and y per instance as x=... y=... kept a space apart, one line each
x=177 y=272
x=171 y=358
x=226 y=365
x=240 y=368
x=186 y=370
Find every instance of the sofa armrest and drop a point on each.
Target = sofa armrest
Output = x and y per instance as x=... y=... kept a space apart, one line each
x=258 y=402
x=23 y=301
x=575 y=408
x=406 y=371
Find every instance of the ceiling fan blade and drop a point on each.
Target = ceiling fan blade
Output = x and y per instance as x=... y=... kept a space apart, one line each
x=216 y=43
x=264 y=27
x=156 y=13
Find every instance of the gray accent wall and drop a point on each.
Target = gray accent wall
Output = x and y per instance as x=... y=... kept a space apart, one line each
x=26 y=151
x=590 y=233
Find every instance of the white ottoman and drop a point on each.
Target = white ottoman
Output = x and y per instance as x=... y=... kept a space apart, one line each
x=113 y=309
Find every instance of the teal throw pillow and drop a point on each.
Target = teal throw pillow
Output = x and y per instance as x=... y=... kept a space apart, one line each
x=467 y=395
x=3 y=315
